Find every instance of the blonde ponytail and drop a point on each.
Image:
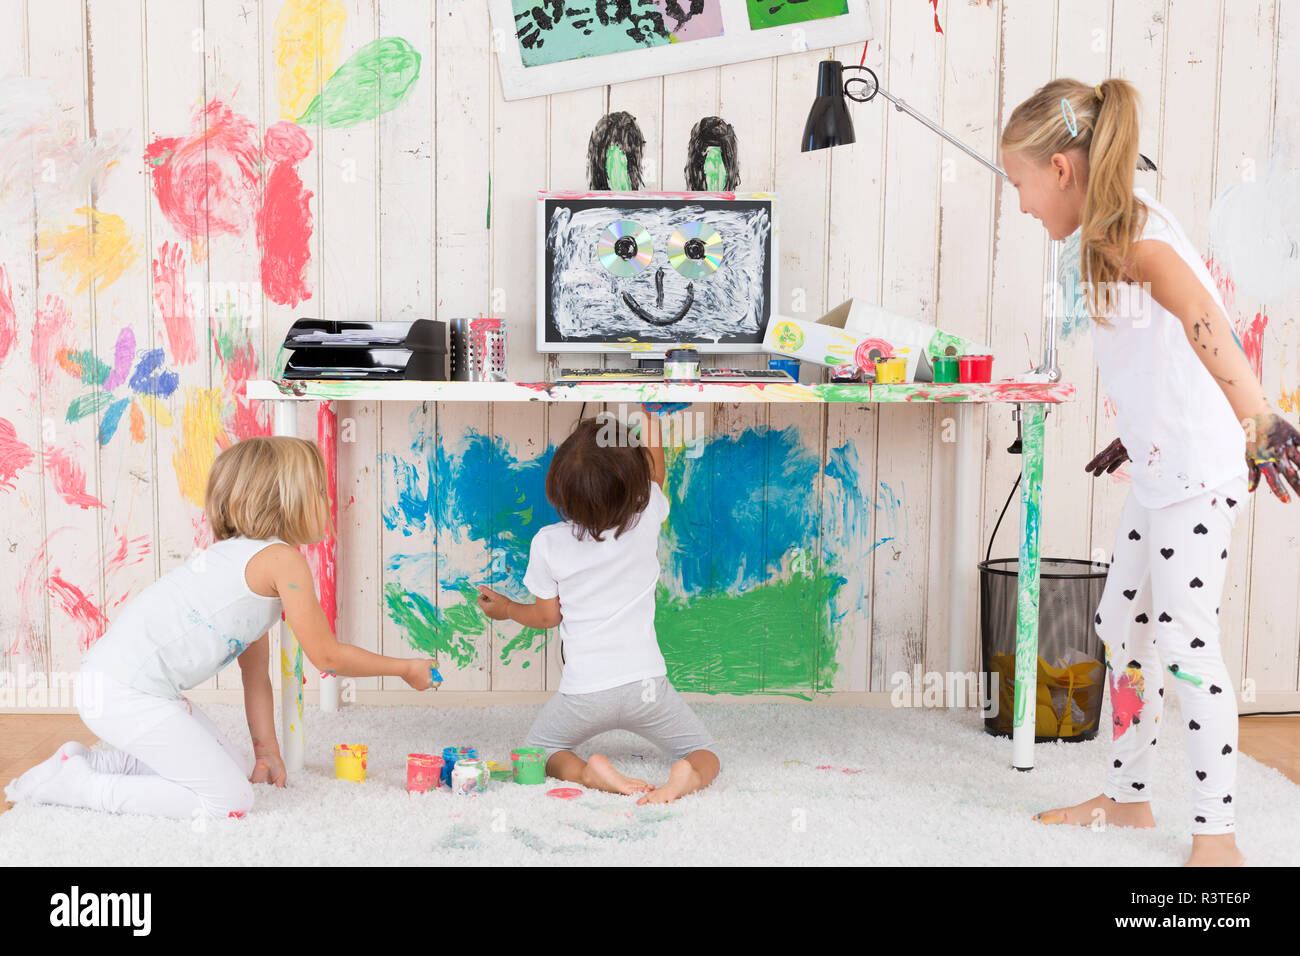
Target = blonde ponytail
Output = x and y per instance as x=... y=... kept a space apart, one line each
x=1105 y=136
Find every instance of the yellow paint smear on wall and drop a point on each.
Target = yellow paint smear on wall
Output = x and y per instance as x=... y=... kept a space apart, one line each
x=101 y=249
x=201 y=433
x=305 y=31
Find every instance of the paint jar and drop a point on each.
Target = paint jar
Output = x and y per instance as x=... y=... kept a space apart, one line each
x=449 y=757
x=945 y=368
x=891 y=371
x=350 y=762
x=682 y=363
x=787 y=365
x=470 y=776
x=501 y=771
x=422 y=772
x=529 y=764
x=975 y=368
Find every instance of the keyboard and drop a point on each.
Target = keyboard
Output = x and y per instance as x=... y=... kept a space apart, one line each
x=655 y=375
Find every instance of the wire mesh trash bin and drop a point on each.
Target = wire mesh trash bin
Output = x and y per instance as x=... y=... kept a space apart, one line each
x=1071 y=658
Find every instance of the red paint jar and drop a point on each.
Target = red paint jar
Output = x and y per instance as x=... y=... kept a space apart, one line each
x=422 y=772
x=975 y=368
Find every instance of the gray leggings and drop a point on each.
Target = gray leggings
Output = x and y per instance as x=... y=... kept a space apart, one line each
x=651 y=708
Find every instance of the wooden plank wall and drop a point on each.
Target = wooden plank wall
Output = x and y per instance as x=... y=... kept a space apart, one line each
x=428 y=210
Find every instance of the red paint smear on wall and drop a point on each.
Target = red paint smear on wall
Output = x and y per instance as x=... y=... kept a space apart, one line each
x=50 y=336
x=69 y=480
x=322 y=556
x=1252 y=341
x=14 y=455
x=172 y=298
x=284 y=222
x=935 y=4
x=88 y=618
x=8 y=317
x=241 y=366
x=207 y=182
x=1223 y=282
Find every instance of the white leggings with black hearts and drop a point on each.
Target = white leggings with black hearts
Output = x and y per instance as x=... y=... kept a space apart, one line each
x=1158 y=616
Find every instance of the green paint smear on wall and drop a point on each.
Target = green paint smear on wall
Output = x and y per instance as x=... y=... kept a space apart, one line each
x=451 y=630
x=771 y=639
x=374 y=80
x=525 y=640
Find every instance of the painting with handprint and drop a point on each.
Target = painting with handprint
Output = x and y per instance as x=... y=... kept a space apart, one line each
x=552 y=31
x=637 y=268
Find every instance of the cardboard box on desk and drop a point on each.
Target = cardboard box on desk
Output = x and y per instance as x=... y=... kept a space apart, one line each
x=858 y=333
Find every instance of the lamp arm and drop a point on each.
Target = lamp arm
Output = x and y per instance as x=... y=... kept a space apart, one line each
x=903 y=107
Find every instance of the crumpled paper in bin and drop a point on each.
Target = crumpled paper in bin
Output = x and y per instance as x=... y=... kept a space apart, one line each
x=1065 y=694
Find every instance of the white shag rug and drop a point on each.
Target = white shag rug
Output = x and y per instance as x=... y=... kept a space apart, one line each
x=933 y=790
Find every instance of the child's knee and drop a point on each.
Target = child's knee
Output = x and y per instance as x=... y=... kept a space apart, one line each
x=233 y=800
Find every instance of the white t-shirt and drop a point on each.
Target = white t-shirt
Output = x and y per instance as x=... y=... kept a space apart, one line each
x=187 y=625
x=607 y=598
x=1175 y=422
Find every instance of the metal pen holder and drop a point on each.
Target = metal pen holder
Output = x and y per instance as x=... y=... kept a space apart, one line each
x=478 y=350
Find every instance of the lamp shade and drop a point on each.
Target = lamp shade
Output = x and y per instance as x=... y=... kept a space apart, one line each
x=828 y=123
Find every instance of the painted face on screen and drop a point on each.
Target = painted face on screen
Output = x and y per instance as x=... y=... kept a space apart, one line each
x=1051 y=192
x=671 y=272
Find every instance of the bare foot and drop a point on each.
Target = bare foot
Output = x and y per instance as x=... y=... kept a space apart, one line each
x=601 y=775
x=682 y=779
x=1101 y=810
x=1218 y=849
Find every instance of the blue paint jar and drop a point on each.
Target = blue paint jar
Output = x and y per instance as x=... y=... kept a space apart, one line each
x=449 y=757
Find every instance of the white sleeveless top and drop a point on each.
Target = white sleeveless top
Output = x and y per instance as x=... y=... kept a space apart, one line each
x=187 y=625
x=1175 y=422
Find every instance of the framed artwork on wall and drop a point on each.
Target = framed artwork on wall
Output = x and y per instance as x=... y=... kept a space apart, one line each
x=548 y=46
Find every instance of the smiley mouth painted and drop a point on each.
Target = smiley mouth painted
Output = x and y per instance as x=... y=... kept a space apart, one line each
x=645 y=315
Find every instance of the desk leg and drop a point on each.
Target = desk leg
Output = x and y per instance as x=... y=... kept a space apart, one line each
x=292 y=736
x=1031 y=499
x=965 y=552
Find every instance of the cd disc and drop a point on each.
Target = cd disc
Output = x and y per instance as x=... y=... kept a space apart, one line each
x=695 y=250
x=624 y=248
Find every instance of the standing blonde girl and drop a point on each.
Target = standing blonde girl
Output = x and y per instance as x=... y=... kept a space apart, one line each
x=265 y=497
x=1193 y=420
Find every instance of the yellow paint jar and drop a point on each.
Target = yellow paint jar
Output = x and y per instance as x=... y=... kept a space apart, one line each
x=891 y=371
x=350 y=762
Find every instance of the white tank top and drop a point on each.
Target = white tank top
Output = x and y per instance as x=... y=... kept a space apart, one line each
x=1175 y=422
x=187 y=625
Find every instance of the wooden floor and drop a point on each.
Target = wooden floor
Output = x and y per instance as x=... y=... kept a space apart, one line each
x=27 y=739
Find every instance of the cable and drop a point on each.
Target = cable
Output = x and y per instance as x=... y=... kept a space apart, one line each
x=989 y=553
x=1272 y=713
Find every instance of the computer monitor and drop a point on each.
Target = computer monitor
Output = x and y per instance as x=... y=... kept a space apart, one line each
x=641 y=272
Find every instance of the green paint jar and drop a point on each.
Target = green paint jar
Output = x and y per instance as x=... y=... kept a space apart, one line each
x=529 y=764
x=945 y=368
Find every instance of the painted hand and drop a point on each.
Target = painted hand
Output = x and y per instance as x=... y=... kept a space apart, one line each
x=493 y=604
x=269 y=769
x=1108 y=459
x=1275 y=453
x=419 y=674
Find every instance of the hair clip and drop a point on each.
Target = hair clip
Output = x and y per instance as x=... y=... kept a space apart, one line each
x=1070 y=120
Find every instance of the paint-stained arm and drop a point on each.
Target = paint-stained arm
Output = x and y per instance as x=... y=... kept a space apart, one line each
x=652 y=435
x=543 y=613
x=259 y=707
x=1272 y=443
x=284 y=571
